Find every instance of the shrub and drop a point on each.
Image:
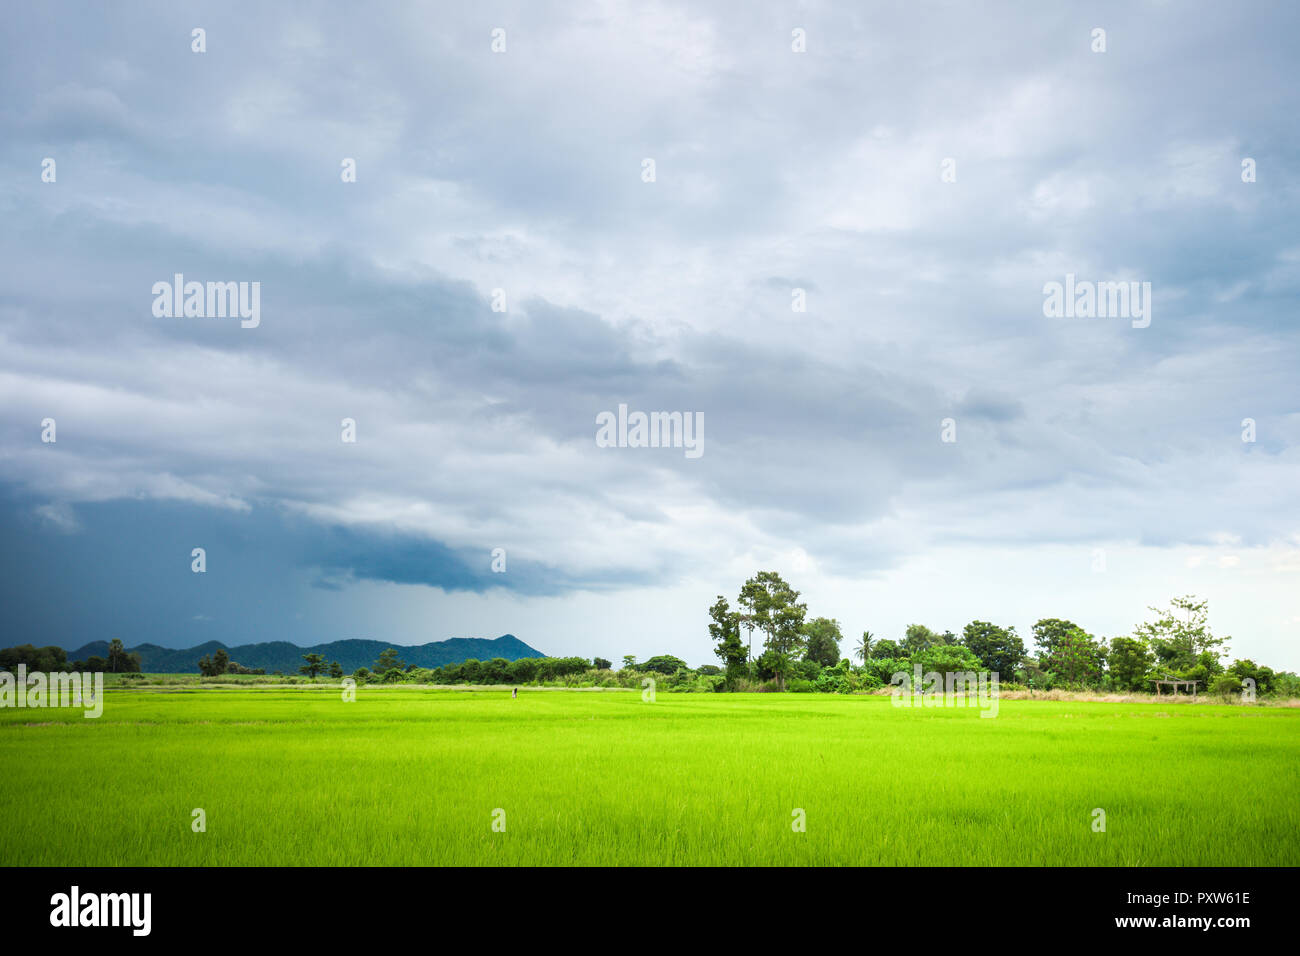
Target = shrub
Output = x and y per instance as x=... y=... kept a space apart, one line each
x=663 y=664
x=1226 y=686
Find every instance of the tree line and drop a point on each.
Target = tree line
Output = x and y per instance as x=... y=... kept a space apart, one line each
x=53 y=660
x=798 y=653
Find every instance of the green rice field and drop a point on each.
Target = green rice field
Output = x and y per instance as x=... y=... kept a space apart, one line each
x=408 y=775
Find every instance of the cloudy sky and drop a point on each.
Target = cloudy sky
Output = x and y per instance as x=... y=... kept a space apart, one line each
x=1098 y=467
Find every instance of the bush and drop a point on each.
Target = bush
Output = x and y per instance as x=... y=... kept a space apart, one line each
x=1263 y=677
x=800 y=686
x=663 y=664
x=1226 y=686
x=804 y=670
x=947 y=659
x=882 y=669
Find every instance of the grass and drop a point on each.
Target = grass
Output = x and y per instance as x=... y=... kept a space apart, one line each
x=295 y=776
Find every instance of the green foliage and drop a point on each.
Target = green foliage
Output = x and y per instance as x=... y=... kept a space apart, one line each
x=920 y=638
x=600 y=664
x=45 y=659
x=214 y=666
x=1073 y=655
x=664 y=664
x=947 y=658
x=887 y=650
x=470 y=671
x=1181 y=637
x=1264 y=678
x=822 y=641
x=119 y=661
x=766 y=665
x=774 y=608
x=724 y=628
x=869 y=681
x=522 y=671
x=882 y=669
x=999 y=649
x=314 y=665
x=1284 y=684
x=495 y=671
x=1227 y=686
x=388 y=660
x=1129 y=663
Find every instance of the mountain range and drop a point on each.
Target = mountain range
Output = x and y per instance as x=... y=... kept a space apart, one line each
x=287 y=658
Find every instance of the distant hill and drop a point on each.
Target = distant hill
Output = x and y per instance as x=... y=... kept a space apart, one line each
x=286 y=657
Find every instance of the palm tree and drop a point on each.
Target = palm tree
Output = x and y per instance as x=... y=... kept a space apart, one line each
x=864 y=646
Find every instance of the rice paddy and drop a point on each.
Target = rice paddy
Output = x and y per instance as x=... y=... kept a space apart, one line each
x=416 y=776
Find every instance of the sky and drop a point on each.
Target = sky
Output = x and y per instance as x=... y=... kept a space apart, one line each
x=822 y=232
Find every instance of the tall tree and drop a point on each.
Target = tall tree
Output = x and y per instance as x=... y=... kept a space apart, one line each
x=1129 y=662
x=724 y=628
x=822 y=641
x=388 y=659
x=755 y=606
x=863 y=649
x=887 y=650
x=1069 y=651
x=780 y=616
x=919 y=638
x=1181 y=634
x=998 y=648
x=119 y=661
x=315 y=664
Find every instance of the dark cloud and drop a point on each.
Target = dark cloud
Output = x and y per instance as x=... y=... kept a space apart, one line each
x=522 y=172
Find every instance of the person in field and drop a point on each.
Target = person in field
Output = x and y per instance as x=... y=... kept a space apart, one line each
x=514 y=692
